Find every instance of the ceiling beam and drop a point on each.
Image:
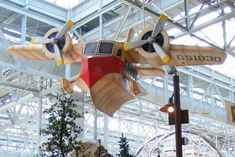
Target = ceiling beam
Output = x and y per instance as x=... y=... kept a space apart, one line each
x=150 y=12
x=13 y=103
x=18 y=87
x=36 y=13
x=12 y=18
x=206 y=24
x=96 y=14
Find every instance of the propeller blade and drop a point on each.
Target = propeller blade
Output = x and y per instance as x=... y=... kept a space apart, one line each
x=41 y=40
x=69 y=24
x=159 y=26
x=59 y=60
x=134 y=44
x=162 y=54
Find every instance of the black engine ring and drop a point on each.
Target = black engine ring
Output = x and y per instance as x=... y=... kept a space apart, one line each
x=159 y=39
x=60 y=42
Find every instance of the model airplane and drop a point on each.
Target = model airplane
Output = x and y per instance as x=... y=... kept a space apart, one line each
x=109 y=68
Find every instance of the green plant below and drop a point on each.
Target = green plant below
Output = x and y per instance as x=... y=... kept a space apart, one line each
x=61 y=130
x=124 y=147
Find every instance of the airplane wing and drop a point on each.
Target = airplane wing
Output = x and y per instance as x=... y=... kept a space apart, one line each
x=195 y=55
x=180 y=55
x=31 y=51
x=37 y=52
x=133 y=56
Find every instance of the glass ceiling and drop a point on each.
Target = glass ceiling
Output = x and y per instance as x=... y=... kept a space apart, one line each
x=67 y=4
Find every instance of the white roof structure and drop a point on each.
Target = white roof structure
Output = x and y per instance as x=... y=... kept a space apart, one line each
x=26 y=87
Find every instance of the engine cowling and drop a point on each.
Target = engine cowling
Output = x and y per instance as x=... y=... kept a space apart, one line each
x=147 y=50
x=64 y=43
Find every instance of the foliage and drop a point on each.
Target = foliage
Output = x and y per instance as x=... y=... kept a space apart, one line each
x=61 y=130
x=124 y=147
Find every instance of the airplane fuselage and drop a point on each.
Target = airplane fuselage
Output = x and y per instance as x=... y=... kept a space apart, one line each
x=94 y=68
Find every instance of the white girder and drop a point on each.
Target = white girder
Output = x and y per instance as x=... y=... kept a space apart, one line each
x=39 y=10
x=139 y=119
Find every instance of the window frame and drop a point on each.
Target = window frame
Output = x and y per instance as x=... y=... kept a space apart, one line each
x=103 y=41
x=96 y=50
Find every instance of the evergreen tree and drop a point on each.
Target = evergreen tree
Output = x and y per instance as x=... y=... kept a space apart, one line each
x=61 y=130
x=124 y=147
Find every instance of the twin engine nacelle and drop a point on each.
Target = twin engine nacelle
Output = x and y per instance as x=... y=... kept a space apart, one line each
x=147 y=50
x=64 y=43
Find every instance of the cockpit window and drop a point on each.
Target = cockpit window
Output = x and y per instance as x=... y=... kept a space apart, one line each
x=106 y=48
x=90 y=48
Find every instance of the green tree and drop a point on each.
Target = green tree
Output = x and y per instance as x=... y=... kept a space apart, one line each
x=61 y=130
x=124 y=147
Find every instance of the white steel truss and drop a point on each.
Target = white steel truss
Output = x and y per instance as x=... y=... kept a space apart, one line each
x=24 y=89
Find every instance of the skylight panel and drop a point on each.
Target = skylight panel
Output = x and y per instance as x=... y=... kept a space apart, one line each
x=67 y=4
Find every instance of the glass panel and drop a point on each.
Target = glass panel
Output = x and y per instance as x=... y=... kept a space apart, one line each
x=106 y=48
x=90 y=48
x=67 y=4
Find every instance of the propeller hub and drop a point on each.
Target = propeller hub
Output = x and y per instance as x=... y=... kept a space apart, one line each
x=55 y=40
x=151 y=39
x=60 y=42
x=159 y=39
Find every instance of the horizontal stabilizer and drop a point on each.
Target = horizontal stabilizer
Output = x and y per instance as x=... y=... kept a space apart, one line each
x=150 y=71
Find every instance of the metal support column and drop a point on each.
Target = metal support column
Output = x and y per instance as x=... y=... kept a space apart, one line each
x=95 y=124
x=165 y=88
x=24 y=24
x=224 y=31
x=23 y=29
x=122 y=23
x=186 y=11
x=101 y=19
x=106 y=131
x=190 y=91
x=178 y=132
x=39 y=119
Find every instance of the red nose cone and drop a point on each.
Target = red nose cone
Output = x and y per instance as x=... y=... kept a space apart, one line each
x=94 y=68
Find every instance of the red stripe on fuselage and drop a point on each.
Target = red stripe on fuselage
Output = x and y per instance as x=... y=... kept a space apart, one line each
x=94 y=68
